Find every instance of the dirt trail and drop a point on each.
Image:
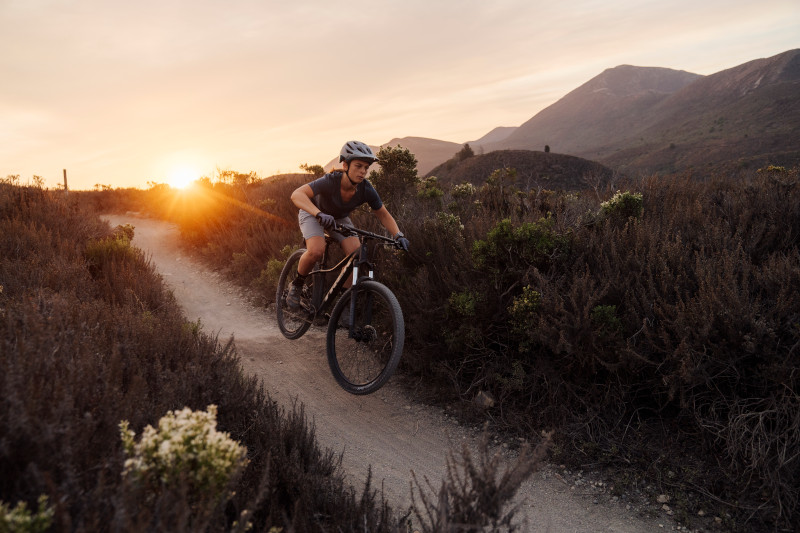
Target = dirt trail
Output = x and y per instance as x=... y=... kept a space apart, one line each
x=388 y=430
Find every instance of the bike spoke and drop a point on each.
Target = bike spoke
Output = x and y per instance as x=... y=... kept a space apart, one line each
x=365 y=355
x=293 y=322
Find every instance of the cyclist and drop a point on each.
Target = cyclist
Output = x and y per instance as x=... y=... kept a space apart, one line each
x=329 y=200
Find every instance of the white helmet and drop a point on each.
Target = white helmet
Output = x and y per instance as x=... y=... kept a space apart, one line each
x=356 y=150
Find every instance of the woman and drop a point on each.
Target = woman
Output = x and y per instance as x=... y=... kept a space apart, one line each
x=328 y=201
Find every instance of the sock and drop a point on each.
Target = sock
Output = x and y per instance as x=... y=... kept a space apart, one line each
x=299 y=280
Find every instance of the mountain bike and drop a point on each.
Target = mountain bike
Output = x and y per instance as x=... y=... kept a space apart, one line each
x=365 y=328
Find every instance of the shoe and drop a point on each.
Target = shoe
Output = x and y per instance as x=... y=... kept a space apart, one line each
x=293 y=298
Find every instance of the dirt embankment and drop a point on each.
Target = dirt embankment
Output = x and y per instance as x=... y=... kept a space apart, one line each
x=388 y=430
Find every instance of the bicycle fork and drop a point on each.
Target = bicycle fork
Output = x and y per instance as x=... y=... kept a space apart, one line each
x=367 y=311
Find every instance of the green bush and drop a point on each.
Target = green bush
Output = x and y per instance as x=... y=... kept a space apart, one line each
x=463 y=303
x=266 y=284
x=605 y=318
x=523 y=307
x=429 y=188
x=507 y=249
x=108 y=249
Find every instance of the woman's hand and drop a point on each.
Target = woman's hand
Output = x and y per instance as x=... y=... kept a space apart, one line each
x=326 y=220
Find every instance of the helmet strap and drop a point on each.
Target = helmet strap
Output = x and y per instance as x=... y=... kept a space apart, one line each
x=347 y=173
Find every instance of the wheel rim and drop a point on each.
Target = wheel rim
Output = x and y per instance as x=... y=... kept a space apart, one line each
x=363 y=357
x=292 y=320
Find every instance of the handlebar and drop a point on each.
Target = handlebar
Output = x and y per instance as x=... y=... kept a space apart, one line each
x=350 y=231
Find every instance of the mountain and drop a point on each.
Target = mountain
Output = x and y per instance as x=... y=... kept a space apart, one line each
x=534 y=169
x=497 y=135
x=749 y=113
x=651 y=119
x=601 y=112
x=429 y=152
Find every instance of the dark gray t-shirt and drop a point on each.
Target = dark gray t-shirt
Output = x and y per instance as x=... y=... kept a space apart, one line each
x=328 y=195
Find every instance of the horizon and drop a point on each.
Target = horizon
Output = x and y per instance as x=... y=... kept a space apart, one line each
x=122 y=95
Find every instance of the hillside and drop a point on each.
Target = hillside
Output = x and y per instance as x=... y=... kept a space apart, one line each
x=746 y=113
x=601 y=112
x=650 y=119
x=534 y=170
x=429 y=152
x=497 y=135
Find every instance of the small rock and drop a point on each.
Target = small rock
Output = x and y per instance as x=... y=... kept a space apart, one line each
x=663 y=498
x=666 y=508
x=701 y=513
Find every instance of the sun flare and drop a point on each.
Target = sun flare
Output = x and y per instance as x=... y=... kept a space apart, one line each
x=182 y=177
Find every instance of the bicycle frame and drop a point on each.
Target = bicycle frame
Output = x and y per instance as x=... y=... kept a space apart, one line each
x=364 y=354
x=354 y=263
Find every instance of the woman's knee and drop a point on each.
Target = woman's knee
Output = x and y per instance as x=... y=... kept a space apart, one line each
x=315 y=248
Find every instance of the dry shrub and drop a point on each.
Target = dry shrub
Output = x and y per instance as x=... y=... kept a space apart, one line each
x=475 y=494
x=682 y=316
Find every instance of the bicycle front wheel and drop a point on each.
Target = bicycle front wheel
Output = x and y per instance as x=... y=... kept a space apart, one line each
x=364 y=357
x=294 y=322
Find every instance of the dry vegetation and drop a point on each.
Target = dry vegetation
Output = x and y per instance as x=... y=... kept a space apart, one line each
x=89 y=337
x=658 y=331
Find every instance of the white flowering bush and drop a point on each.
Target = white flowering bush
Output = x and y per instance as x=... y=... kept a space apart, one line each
x=463 y=190
x=20 y=519
x=450 y=221
x=186 y=448
x=623 y=205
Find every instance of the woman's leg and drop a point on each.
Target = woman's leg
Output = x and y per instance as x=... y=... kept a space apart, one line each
x=315 y=247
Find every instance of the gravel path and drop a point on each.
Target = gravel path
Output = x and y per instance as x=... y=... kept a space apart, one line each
x=388 y=430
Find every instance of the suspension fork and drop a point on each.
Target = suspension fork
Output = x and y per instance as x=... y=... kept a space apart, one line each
x=361 y=263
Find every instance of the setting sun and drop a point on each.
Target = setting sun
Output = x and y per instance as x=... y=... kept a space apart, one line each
x=182 y=177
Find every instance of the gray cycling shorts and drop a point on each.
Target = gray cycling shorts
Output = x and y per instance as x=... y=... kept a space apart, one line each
x=310 y=226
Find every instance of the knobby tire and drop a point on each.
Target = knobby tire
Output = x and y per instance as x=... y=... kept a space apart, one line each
x=293 y=323
x=363 y=364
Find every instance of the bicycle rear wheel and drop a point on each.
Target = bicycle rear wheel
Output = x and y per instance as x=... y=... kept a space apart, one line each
x=293 y=323
x=364 y=361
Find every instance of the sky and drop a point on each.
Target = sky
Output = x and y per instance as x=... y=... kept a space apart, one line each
x=124 y=93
